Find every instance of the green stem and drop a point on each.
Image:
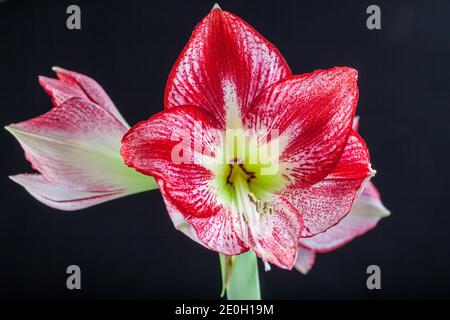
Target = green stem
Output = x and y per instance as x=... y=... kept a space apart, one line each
x=240 y=278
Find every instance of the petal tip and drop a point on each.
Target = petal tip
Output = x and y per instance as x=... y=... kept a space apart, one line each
x=303 y=271
x=18 y=178
x=10 y=128
x=216 y=6
x=44 y=81
x=58 y=69
x=346 y=72
x=352 y=73
x=386 y=213
x=61 y=73
x=13 y=178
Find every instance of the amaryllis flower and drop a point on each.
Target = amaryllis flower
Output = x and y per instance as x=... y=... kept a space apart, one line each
x=364 y=216
x=230 y=98
x=75 y=147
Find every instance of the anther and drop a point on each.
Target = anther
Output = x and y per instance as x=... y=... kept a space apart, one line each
x=252 y=198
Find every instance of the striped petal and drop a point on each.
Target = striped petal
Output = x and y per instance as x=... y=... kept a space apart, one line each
x=63 y=198
x=161 y=147
x=224 y=66
x=281 y=245
x=186 y=185
x=178 y=220
x=217 y=232
x=75 y=147
x=72 y=84
x=325 y=203
x=313 y=115
x=364 y=216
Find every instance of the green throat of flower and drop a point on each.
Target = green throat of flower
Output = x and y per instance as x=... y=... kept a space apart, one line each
x=246 y=187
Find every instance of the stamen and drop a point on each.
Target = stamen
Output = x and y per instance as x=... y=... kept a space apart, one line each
x=252 y=198
x=254 y=214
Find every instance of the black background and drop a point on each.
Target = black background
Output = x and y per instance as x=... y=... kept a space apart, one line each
x=128 y=248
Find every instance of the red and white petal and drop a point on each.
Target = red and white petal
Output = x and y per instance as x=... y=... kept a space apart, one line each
x=225 y=65
x=369 y=202
x=60 y=91
x=281 y=246
x=364 y=216
x=169 y=146
x=177 y=217
x=70 y=85
x=323 y=204
x=213 y=232
x=77 y=146
x=305 y=260
x=63 y=198
x=313 y=115
x=218 y=233
x=186 y=185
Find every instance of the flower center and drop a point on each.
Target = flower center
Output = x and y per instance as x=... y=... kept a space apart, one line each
x=253 y=211
x=254 y=215
x=247 y=172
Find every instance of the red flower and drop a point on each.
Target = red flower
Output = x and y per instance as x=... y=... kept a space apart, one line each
x=231 y=87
